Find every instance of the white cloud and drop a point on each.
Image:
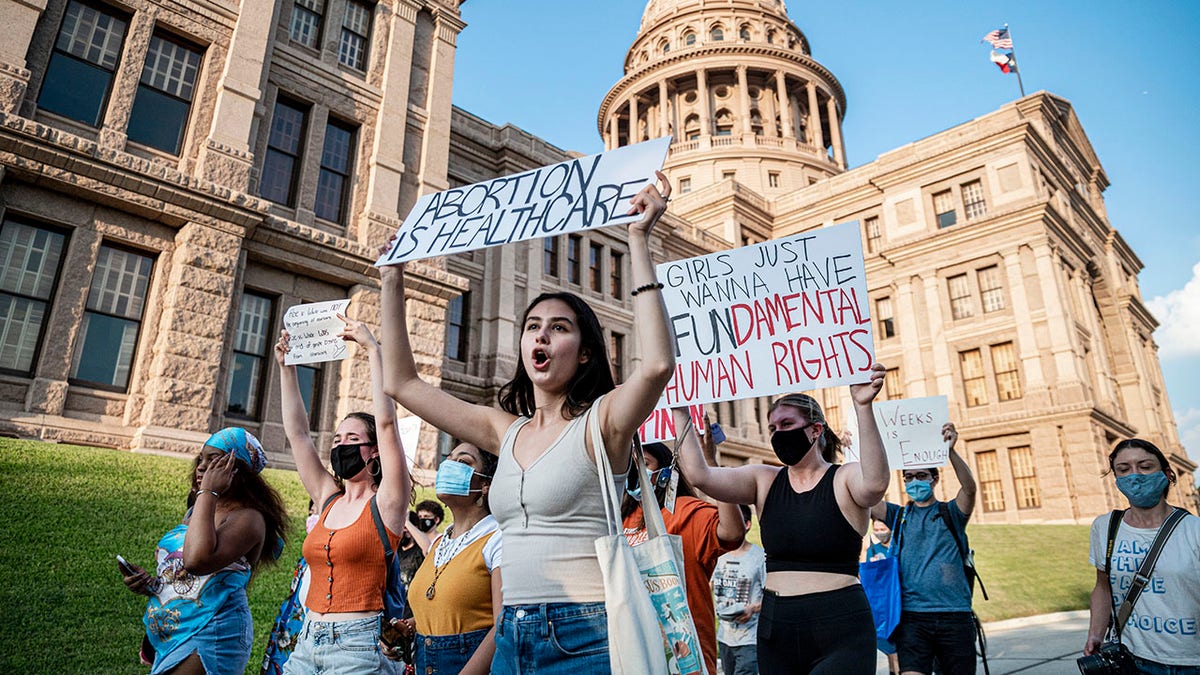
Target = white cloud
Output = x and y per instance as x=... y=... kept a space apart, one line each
x=1178 y=314
x=1188 y=423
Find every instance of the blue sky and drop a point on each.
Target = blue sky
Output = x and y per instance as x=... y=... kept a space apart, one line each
x=911 y=70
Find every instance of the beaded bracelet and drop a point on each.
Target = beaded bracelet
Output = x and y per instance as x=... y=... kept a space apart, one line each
x=648 y=287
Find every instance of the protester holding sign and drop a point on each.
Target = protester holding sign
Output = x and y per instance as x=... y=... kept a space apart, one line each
x=546 y=494
x=707 y=532
x=813 y=516
x=935 y=594
x=345 y=598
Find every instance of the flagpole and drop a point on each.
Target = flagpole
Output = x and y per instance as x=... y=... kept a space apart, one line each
x=1014 y=58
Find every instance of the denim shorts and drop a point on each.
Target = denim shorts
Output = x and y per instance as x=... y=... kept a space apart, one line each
x=559 y=638
x=337 y=648
x=948 y=637
x=446 y=653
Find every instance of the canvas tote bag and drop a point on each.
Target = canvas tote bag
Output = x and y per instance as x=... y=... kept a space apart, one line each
x=635 y=641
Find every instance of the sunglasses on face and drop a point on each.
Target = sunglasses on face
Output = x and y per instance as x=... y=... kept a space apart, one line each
x=921 y=475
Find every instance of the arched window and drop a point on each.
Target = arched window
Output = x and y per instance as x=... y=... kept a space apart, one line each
x=691 y=127
x=724 y=123
x=771 y=36
x=664 y=46
x=744 y=32
x=689 y=38
x=717 y=33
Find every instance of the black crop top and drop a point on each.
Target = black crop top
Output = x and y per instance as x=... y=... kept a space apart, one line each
x=806 y=531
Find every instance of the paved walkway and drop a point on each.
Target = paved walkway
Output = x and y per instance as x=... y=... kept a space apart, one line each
x=1035 y=645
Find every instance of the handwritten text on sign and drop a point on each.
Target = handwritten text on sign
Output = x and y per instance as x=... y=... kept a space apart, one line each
x=660 y=426
x=578 y=194
x=912 y=431
x=313 y=332
x=785 y=315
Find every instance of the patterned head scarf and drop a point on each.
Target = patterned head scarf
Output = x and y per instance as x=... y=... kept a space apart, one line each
x=242 y=444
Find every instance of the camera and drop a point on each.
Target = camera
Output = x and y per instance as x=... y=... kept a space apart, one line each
x=1113 y=658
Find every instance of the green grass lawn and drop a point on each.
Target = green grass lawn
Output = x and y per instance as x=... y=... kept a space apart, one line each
x=67 y=511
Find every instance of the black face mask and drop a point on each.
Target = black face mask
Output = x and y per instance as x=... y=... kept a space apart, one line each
x=792 y=445
x=346 y=460
x=426 y=524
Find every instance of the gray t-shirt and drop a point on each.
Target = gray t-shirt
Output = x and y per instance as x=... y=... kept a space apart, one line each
x=1165 y=619
x=738 y=581
x=931 y=567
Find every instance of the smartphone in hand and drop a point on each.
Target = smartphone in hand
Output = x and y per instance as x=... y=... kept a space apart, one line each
x=126 y=568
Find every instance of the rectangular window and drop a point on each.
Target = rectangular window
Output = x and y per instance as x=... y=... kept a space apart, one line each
x=333 y=184
x=309 y=377
x=79 y=75
x=943 y=207
x=164 y=95
x=727 y=175
x=685 y=185
x=595 y=275
x=974 y=205
x=285 y=146
x=883 y=312
x=989 y=480
x=773 y=179
x=251 y=354
x=961 y=305
x=30 y=264
x=991 y=289
x=1024 y=477
x=456 y=327
x=573 y=245
x=892 y=385
x=874 y=234
x=1004 y=363
x=112 y=318
x=306 y=22
x=356 y=30
x=616 y=274
x=616 y=356
x=974 y=380
x=550 y=257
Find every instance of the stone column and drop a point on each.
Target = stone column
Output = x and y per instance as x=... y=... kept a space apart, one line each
x=19 y=20
x=614 y=135
x=815 y=137
x=744 y=99
x=635 y=135
x=785 y=105
x=905 y=315
x=1068 y=378
x=835 y=132
x=702 y=93
x=939 y=351
x=125 y=82
x=435 y=152
x=226 y=156
x=664 y=126
x=1027 y=344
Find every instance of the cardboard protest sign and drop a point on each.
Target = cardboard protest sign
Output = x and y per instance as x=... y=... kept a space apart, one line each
x=912 y=431
x=410 y=434
x=659 y=427
x=313 y=332
x=579 y=194
x=785 y=315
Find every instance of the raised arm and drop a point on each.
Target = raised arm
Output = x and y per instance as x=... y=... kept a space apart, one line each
x=209 y=545
x=869 y=483
x=395 y=483
x=966 y=479
x=317 y=481
x=734 y=485
x=479 y=425
x=624 y=410
x=731 y=529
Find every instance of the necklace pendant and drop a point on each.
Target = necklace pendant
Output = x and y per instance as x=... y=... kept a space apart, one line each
x=429 y=592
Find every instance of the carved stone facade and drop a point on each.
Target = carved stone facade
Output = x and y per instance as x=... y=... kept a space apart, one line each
x=995 y=276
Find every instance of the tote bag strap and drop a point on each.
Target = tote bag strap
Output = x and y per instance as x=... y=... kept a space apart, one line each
x=651 y=512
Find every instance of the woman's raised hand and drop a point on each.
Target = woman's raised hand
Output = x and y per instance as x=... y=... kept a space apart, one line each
x=357 y=331
x=281 y=347
x=651 y=203
x=218 y=476
x=864 y=393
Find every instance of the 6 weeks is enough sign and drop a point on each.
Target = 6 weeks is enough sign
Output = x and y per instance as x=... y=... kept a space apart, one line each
x=579 y=194
x=785 y=315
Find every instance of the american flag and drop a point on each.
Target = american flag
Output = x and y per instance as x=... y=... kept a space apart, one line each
x=999 y=39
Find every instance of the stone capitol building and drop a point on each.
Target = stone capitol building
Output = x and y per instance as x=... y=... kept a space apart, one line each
x=175 y=174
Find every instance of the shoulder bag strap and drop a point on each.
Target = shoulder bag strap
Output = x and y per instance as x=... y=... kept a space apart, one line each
x=944 y=512
x=1143 y=574
x=387 y=545
x=332 y=498
x=651 y=512
x=1114 y=524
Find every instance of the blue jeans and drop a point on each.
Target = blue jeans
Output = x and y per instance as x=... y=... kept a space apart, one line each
x=337 y=648
x=446 y=653
x=1148 y=667
x=741 y=660
x=559 y=638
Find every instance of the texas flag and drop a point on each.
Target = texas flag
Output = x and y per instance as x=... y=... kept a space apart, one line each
x=1005 y=60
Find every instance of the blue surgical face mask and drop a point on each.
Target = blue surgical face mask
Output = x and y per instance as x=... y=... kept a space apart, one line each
x=1143 y=490
x=919 y=490
x=454 y=478
x=636 y=492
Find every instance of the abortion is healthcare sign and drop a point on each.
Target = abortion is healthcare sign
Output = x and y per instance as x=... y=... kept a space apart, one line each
x=785 y=315
x=579 y=194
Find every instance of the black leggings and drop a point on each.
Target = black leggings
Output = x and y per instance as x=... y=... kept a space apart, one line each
x=831 y=632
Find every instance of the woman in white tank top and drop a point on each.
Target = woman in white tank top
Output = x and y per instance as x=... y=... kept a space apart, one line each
x=546 y=492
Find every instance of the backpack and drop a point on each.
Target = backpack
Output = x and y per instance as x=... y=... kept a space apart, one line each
x=394 y=592
x=968 y=555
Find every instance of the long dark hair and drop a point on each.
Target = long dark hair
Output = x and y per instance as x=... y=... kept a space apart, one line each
x=831 y=445
x=663 y=456
x=368 y=421
x=487 y=466
x=250 y=491
x=1149 y=447
x=592 y=379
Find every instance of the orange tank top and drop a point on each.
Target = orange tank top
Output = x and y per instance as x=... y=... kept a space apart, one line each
x=346 y=564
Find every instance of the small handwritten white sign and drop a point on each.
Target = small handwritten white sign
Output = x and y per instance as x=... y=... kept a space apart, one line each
x=313 y=332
